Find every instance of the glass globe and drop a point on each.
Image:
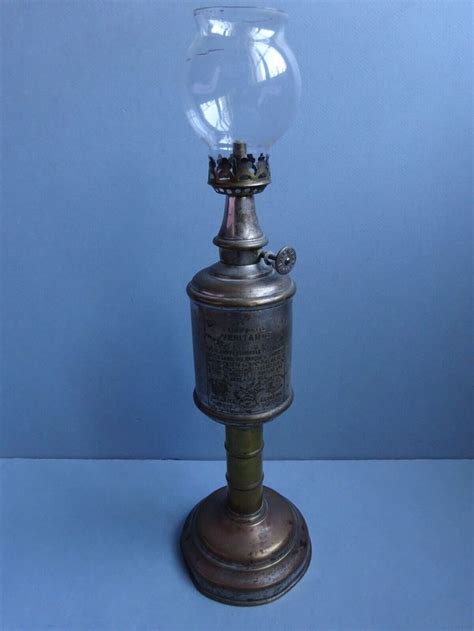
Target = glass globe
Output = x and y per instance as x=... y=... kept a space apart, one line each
x=242 y=81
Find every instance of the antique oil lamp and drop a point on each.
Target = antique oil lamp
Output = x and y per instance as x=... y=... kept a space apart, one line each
x=244 y=544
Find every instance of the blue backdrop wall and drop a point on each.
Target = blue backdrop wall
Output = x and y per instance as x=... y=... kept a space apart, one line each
x=106 y=215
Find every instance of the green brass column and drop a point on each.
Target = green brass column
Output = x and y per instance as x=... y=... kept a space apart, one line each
x=244 y=449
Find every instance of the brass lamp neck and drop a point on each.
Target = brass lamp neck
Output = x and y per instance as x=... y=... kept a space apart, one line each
x=240 y=238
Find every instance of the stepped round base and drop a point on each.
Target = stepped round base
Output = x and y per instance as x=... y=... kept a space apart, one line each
x=248 y=561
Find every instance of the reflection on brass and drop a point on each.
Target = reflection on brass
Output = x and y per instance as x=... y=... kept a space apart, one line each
x=239 y=174
x=244 y=544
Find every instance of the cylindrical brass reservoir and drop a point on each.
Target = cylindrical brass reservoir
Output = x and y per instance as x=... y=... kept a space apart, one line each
x=241 y=322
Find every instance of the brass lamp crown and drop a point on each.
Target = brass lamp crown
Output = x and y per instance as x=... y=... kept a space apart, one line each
x=239 y=174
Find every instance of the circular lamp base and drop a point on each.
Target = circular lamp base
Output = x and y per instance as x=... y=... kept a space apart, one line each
x=245 y=560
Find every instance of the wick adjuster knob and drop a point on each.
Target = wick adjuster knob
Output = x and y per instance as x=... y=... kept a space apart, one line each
x=283 y=261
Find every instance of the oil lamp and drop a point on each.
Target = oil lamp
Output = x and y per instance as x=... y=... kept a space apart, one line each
x=245 y=544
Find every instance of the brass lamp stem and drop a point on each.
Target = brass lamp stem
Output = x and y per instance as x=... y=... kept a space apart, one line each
x=244 y=469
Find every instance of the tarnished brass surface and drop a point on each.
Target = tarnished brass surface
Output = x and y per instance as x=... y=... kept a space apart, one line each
x=246 y=561
x=244 y=468
x=245 y=544
x=240 y=173
x=242 y=362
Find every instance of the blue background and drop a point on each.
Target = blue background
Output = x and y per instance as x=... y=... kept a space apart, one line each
x=106 y=216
